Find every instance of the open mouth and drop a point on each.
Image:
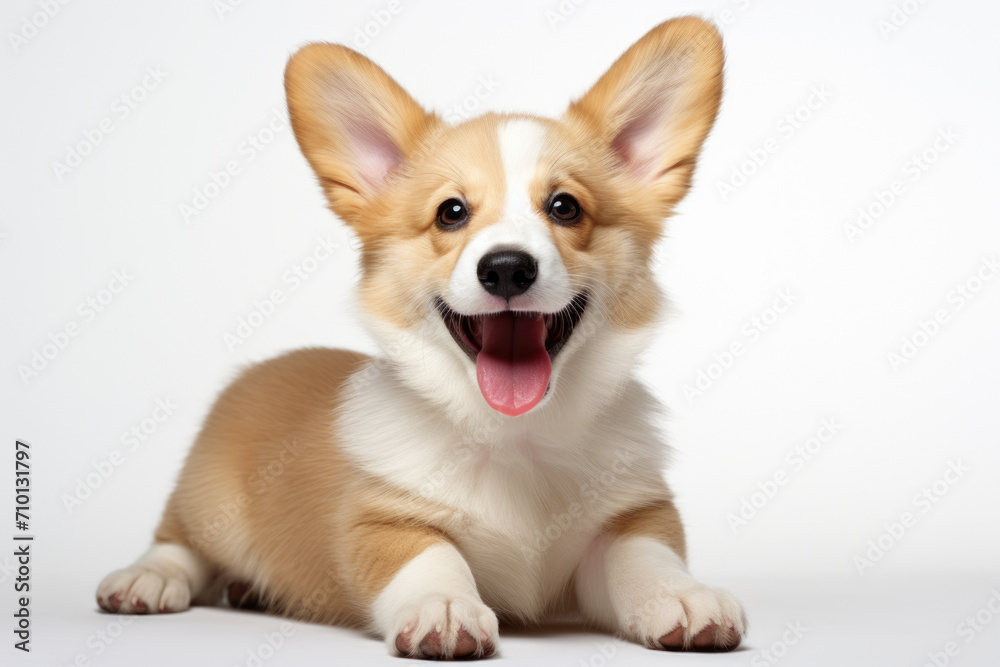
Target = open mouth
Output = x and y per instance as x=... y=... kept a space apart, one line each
x=513 y=350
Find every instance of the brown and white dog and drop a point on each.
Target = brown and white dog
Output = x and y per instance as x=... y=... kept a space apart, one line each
x=500 y=460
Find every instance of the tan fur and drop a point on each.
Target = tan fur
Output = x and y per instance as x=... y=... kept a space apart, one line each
x=659 y=519
x=267 y=494
x=313 y=524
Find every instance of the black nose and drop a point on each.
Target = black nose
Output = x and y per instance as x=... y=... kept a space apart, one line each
x=507 y=273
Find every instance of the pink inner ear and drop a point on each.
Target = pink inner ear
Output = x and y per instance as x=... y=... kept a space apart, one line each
x=640 y=142
x=636 y=145
x=375 y=153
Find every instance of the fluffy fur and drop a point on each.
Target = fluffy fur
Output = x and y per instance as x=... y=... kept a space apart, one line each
x=385 y=492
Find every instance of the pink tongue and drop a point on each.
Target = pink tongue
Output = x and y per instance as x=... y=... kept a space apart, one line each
x=513 y=367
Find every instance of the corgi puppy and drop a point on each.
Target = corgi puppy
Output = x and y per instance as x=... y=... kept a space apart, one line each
x=499 y=461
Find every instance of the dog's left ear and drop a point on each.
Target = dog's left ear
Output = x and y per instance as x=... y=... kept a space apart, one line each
x=653 y=109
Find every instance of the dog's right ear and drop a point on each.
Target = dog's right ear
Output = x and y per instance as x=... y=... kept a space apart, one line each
x=355 y=125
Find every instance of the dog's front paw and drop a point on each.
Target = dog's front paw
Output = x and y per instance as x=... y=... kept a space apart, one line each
x=688 y=617
x=441 y=627
x=141 y=589
x=431 y=609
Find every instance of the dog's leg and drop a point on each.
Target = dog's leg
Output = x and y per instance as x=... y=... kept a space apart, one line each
x=423 y=598
x=165 y=579
x=634 y=580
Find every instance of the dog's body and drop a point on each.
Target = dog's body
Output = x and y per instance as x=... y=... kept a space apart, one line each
x=508 y=252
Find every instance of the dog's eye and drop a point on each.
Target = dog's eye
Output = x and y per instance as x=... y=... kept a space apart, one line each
x=452 y=214
x=564 y=209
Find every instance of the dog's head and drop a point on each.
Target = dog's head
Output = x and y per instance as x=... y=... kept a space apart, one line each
x=508 y=250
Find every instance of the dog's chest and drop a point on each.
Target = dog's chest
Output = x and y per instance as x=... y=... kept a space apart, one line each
x=523 y=532
x=523 y=500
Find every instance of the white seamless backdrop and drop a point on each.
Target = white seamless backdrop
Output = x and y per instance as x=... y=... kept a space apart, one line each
x=830 y=360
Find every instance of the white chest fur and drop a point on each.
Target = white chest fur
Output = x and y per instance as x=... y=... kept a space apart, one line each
x=523 y=497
